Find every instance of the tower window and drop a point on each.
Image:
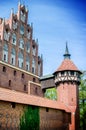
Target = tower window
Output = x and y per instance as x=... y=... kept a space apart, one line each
x=72 y=73
x=62 y=73
x=4 y=69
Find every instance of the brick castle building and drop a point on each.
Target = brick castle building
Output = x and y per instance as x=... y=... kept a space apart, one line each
x=22 y=82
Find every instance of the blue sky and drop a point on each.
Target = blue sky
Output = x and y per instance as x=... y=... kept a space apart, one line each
x=54 y=23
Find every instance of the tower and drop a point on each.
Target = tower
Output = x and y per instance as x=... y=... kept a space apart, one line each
x=67 y=80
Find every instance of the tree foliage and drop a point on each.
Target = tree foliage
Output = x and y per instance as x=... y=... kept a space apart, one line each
x=51 y=94
x=82 y=101
x=30 y=119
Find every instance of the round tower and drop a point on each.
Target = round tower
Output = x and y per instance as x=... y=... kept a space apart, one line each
x=67 y=80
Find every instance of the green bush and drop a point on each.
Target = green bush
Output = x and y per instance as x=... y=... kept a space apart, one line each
x=30 y=119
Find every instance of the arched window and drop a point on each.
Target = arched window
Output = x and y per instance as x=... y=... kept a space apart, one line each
x=21 y=43
x=28 y=46
x=23 y=16
x=22 y=30
x=27 y=63
x=6 y=34
x=34 y=50
x=5 y=52
x=14 y=39
x=20 y=60
x=15 y=24
x=33 y=65
x=13 y=56
x=28 y=34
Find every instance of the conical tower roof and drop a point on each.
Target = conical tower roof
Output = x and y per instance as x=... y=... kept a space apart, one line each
x=67 y=63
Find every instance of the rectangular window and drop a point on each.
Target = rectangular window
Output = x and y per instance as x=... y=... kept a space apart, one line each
x=9 y=83
x=47 y=109
x=14 y=72
x=33 y=70
x=4 y=69
x=22 y=75
x=22 y=64
x=14 y=41
x=12 y=60
x=26 y=67
x=4 y=57
x=13 y=105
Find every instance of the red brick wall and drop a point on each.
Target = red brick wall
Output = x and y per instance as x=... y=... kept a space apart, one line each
x=67 y=93
x=19 y=81
x=10 y=116
x=50 y=119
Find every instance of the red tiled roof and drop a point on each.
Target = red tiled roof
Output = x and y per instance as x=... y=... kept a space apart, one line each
x=67 y=64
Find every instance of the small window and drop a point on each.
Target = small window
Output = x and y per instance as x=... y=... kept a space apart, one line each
x=22 y=64
x=62 y=73
x=72 y=73
x=7 y=30
x=47 y=109
x=36 y=90
x=4 y=57
x=33 y=70
x=22 y=75
x=13 y=105
x=34 y=80
x=12 y=61
x=9 y=83
x=27 y=67
x=14 y=72
x=4 y=69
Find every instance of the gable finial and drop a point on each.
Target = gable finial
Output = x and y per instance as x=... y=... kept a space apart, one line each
x=66 y=55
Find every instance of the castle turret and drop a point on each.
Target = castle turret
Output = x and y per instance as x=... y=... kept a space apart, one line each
x=67 y=79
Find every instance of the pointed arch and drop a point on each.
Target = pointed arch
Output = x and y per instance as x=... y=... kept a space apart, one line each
x=5 y=52
x=27 y=63
x=21 y=43
x=33 y=65
x=13 y=56
x=14 y=39
x=20 y=59
x=28 y=46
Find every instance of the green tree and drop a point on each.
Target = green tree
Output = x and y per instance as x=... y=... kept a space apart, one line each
x=51 y=94
x=30 y=119
x=82 y=96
